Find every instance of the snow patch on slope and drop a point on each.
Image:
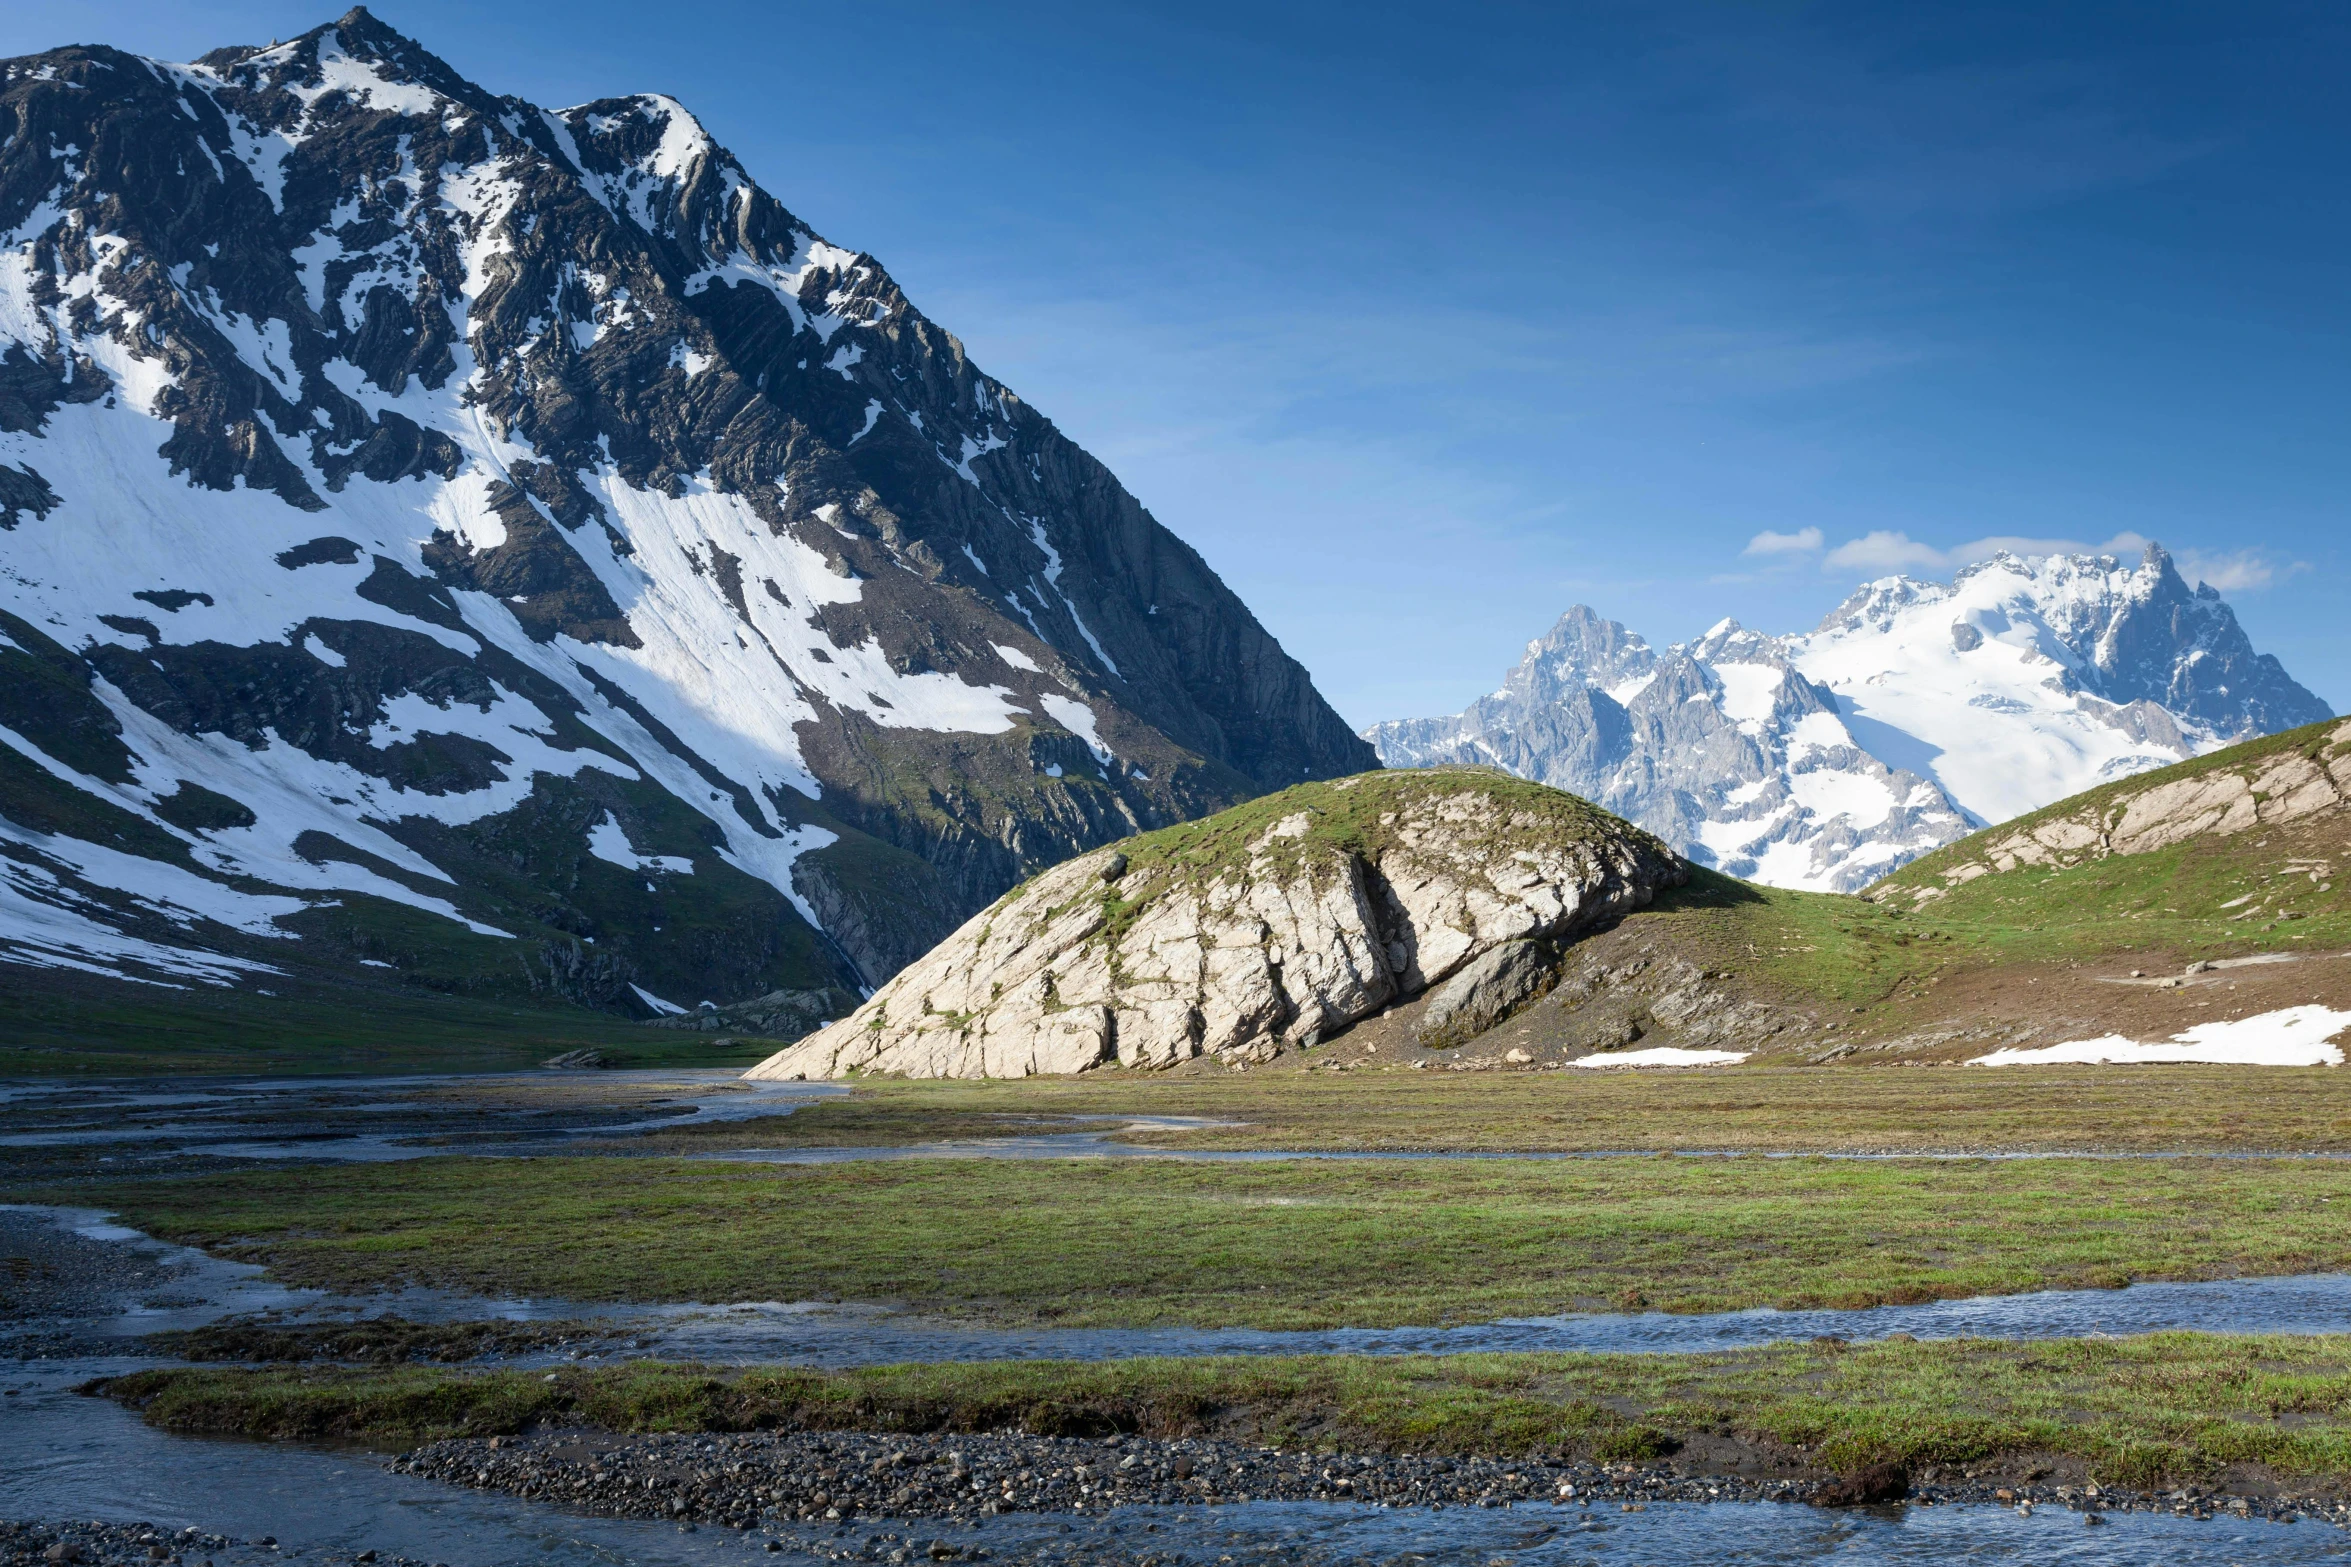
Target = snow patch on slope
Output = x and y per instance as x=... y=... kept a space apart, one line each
x=610 y=843
x=2295 y=1036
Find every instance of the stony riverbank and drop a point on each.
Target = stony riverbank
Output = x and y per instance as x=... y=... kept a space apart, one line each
x=52 y=1543
x=744 y=1481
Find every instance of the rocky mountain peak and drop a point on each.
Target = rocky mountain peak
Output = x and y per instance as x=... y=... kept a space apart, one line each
x=2125 y=646
x=537 y=530
x=1916 y=710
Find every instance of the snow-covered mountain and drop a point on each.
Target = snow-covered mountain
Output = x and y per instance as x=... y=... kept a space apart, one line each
x=1916 y=712
x=444 y=541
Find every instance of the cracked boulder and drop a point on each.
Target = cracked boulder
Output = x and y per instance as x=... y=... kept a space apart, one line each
x=1267 y=927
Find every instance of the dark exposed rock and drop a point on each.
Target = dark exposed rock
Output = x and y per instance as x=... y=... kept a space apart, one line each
x=172 y=600
x=198 y=809
x=320 y=552
x=1865 y=1487
x=21 y=491
x=1488 y=989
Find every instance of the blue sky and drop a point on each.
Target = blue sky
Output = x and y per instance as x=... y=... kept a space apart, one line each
x=1425 y=321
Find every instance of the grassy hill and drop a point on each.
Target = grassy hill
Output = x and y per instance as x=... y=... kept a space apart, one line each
x=2149 y=873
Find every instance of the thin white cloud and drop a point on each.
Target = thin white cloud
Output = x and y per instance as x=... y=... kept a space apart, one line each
x=1884 y=550
x=2228 y=571
x=1802 y=542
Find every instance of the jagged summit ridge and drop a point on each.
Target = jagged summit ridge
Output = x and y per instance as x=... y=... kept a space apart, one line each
x=1915 y=712
x=432 y=479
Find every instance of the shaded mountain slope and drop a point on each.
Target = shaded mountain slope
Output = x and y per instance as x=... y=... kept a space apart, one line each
x=446 y=542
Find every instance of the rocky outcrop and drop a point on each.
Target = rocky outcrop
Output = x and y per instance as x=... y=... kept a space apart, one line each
x=561 y=570
x=780 y=1014
x=1488 y=989
x=2307 y=775
x=1273 y=925
x=1642 y=991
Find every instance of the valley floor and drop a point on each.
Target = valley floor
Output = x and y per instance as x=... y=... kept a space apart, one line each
x=1304 y=1244
x=606 y=1188
x=1846 y=1109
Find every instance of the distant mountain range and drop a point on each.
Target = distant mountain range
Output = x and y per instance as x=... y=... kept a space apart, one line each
x=450 y=543
x=1916 y=712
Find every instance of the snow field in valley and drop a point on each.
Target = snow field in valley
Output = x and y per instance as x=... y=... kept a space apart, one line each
x=1663 y=1055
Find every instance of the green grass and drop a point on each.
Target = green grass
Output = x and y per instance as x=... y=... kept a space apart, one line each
x=1851 y=1109
x=1836 y=952
x=2139 y=1412
x=61 y=1026
x=2166 y=903
x=1278 y=1245
x=846 y=1123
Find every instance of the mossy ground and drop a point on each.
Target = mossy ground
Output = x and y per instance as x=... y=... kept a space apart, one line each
x=1297 y=1244
x=1358 y=816
x=1848 y=1108
x=62 y=1026
x=2140 y=1412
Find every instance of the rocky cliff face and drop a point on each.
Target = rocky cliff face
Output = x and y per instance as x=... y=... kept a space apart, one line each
x=1915 y=712
x=505 y=549
x=1270 y=926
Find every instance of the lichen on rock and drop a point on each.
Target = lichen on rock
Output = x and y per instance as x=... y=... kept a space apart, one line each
x=1272 y=925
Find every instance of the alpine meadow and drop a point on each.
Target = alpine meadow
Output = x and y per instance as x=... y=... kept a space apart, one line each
x=645 y=918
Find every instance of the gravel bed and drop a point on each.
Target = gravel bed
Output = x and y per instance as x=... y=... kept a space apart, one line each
x=27 y=1542
x=49 y=1276
x=746 y=1480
